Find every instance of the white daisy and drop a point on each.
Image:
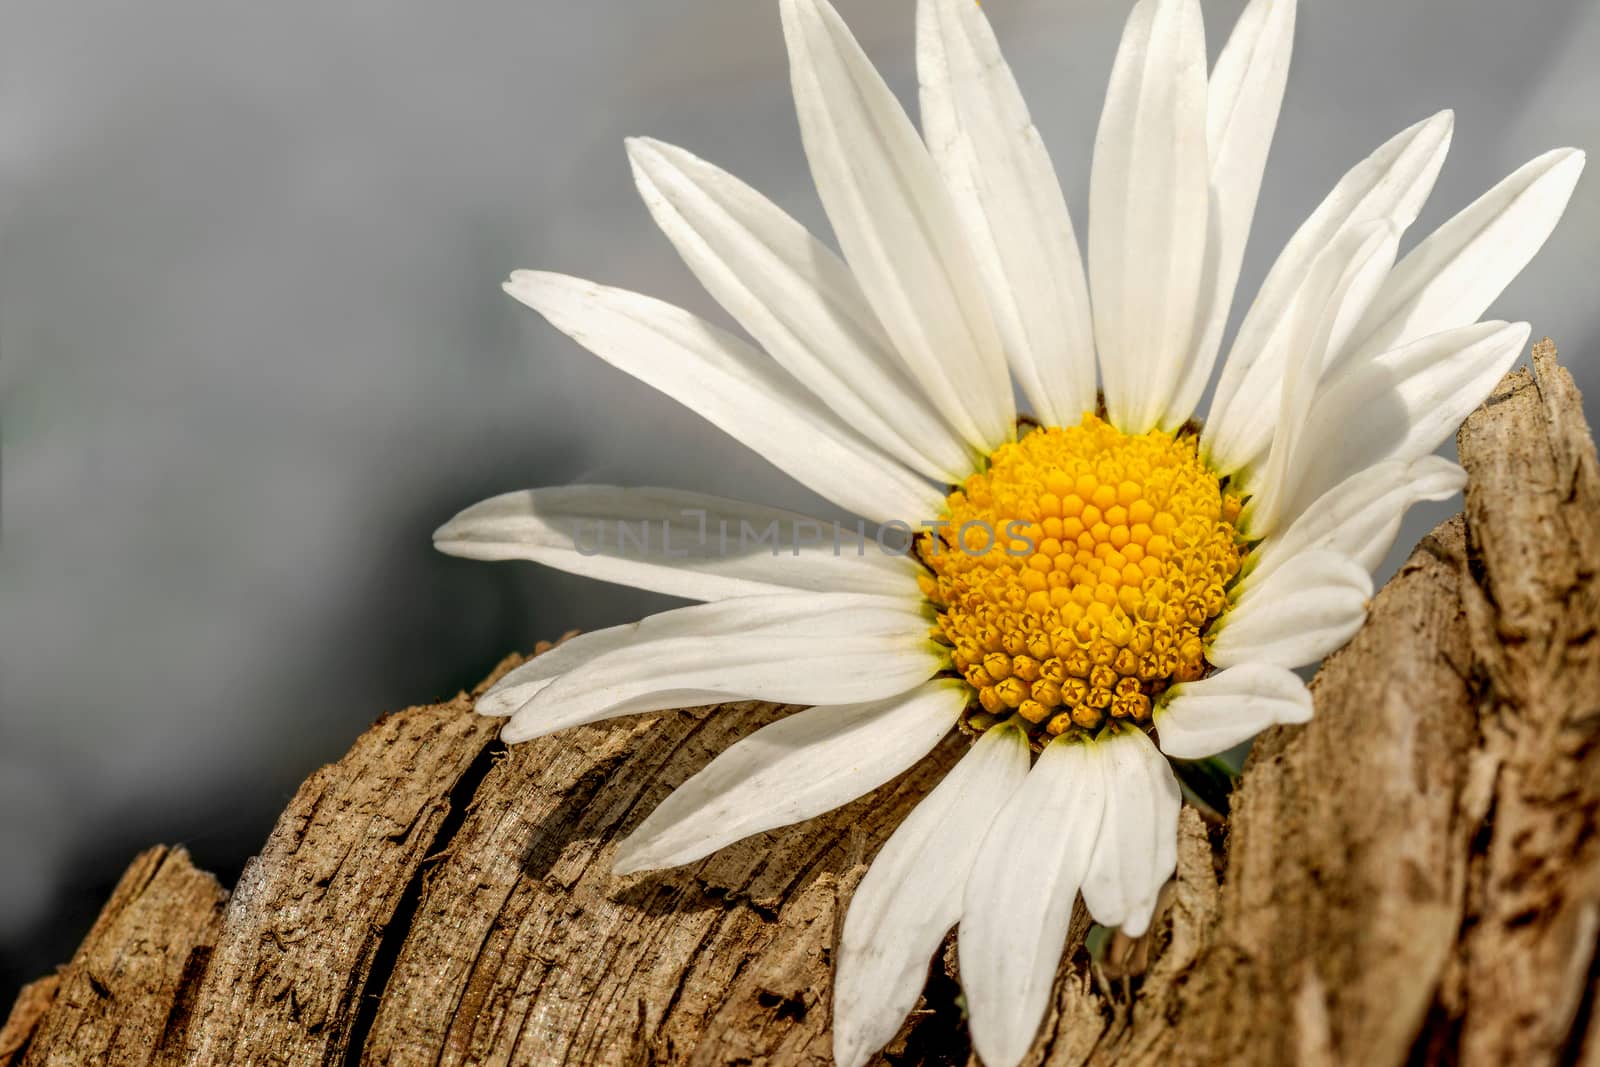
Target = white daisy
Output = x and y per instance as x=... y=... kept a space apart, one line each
x=1105 y=590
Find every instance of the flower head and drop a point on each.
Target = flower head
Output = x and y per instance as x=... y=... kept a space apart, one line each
x=1086 y=593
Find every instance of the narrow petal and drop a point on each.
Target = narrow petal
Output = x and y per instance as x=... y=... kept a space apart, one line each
x=1200 y=719
x=1020 y=896
x=793 y=648
x=1137 y=848
x=1399 y=405
x=896 y=225
x=1390 y=185
x=734 y=387
x=1148 y=194
x=1242 y=104
x=1306 y=609
x=682 y=544
x=912 y=893
x=798 y=300
x=519 y=685
x=1453 y=276
x=1005 y=191
x=1341 y=287
x=1360 y=517
x=791 y=770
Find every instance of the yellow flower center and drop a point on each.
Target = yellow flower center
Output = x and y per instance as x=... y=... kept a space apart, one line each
x=1075 y=576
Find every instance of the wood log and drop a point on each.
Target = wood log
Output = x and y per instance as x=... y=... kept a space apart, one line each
x=1412 y=877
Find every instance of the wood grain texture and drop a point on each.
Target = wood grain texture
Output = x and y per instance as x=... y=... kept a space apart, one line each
x=120 y=1000
x=1528 y=964
x=526 y=949
x=308 y=917
x=1412 y=877
x=32 y=1004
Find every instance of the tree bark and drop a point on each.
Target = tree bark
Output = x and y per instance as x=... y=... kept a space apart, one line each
x=1413 y=877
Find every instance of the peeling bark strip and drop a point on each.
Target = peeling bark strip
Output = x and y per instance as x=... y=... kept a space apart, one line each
x=1413 y=877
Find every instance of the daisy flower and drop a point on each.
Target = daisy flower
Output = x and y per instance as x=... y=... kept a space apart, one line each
x=1086 y=593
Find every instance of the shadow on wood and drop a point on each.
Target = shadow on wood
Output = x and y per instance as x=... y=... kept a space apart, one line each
x=1412 y=877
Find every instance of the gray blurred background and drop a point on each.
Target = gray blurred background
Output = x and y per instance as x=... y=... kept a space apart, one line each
x=253 y=347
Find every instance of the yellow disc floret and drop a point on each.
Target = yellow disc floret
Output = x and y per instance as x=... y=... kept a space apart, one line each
x=1074 y=578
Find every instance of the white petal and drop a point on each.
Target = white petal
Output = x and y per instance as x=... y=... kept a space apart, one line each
x=1242 y=104
x=1402 y=404
x=1019 y=898
x=682 y=544
x=1391 y=184
x=519 y=684
x=734 y=387
x=1304 y=610
x=1360 y=517
x=1009 y=201
x=1148 y=194
x=798 y=300
x=896 y=225
x=1341 y=287
x=791 y=770
x=1200 y=719
x=1455 y=274
x=1137 y=849
x=912 y=893
x=793 y=648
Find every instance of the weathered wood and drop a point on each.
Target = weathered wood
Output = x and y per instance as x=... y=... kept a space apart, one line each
x=526 y=949
x=309 y=915
x=1528 y=969
x=120 y=1000
x=1414 y=876
x=26 y=1015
